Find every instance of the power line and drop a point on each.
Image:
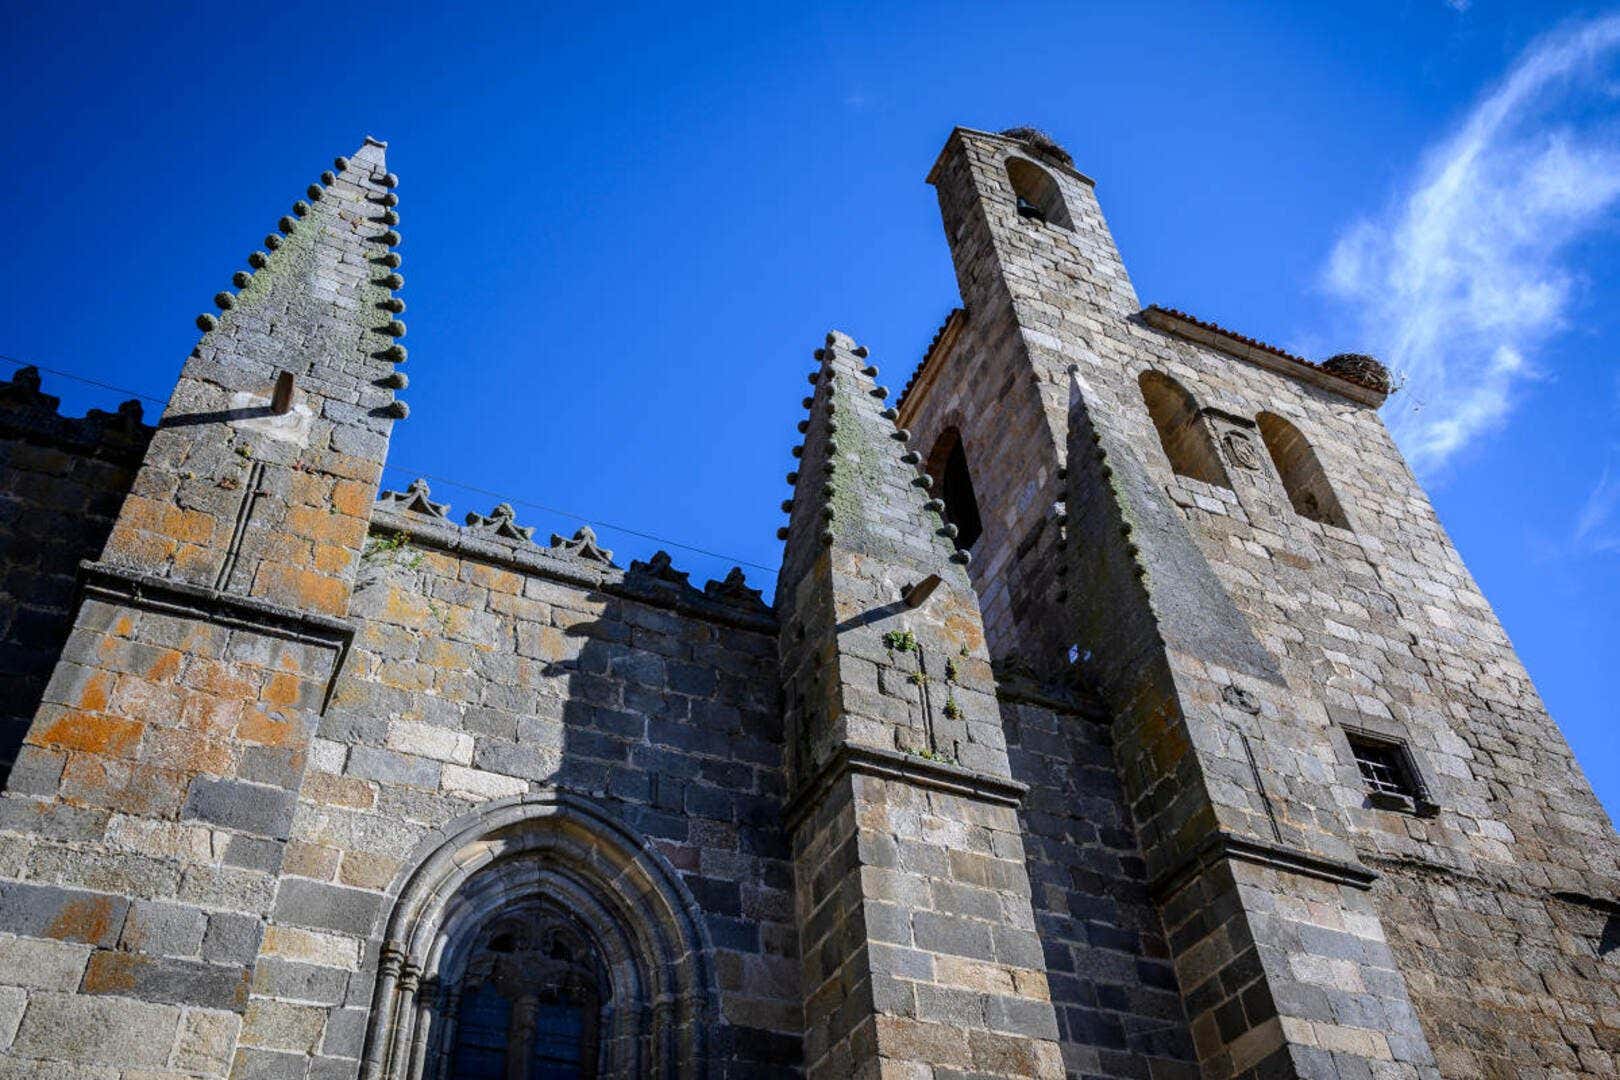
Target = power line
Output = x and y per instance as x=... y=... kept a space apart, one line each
x=407 y=470
x=82 y=379
x=463 y=485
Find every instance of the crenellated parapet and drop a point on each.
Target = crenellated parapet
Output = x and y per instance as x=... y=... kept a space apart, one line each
x=63 y=478
x=29 y=414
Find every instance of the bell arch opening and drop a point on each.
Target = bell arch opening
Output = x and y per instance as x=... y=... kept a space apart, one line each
x=541 y=940
x=1036 y=194
x=948 y=465
x=1181 y=429
x=1303 y=478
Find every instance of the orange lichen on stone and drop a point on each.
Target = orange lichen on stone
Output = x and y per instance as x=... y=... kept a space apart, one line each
x=223 y=679
x=140 y=549
x=283 y=690
x=166 y=667
x=191 y=560
x=97 y=688
x=405 y=608
x=152 y=517
x=353 y=499
x=319 y=523
x=494 y=578
x=300 y=588
x=262 y=729
x=309 y=489
x=332 y=558
x=89 y=919
x=112 y=972
x=94 y=734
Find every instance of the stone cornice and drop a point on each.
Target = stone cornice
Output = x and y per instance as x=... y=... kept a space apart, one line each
x=1224 y=845
x=1298 y=368
x=120 y=585
x=929 y=367
x=904 y=768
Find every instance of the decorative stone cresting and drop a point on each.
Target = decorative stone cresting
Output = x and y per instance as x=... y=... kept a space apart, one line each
x=414 y=500
x=582 y=546
x=499 y=524
x=660 y=568
x=734 y=590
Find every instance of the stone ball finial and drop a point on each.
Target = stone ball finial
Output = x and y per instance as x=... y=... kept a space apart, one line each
x=1043 y=144
x=1360 y=369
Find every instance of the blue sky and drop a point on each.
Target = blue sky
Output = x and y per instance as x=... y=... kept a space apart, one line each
x=626 y=228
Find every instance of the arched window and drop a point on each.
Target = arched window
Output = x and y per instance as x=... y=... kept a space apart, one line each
x=1302 y=474
x=949 y=467
x=1182 y=432
x=1037 y=193
x=541 y=938
x=530 y=990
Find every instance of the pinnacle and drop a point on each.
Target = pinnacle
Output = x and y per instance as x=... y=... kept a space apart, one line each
x=347 y=217
x=858 y=486
x=373 y=152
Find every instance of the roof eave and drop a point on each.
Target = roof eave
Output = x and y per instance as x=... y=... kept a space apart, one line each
x=1293 y=367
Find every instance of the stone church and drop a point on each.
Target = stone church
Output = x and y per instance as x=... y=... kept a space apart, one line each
x=1122 y=710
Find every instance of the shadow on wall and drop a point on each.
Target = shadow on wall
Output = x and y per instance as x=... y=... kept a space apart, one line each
x=1113 y=986
x=669 y=724
x=62 y=482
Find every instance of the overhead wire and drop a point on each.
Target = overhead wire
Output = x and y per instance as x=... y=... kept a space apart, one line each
x=438 y=479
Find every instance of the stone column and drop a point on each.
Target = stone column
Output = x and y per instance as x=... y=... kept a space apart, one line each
x=520 y=1037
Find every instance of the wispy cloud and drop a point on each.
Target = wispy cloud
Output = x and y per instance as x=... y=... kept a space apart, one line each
x=1468 y=274
x=1597 y=527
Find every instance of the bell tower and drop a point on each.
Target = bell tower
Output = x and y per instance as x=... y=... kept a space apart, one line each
x=1090 y=572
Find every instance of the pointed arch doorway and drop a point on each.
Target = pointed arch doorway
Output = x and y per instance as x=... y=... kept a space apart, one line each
x=541 y=939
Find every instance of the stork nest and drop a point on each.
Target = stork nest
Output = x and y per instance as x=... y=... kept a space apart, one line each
x=1043 y=144
x=1361 y=369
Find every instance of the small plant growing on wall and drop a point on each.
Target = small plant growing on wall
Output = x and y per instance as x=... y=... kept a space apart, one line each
x=391 y=550
x=901 y=640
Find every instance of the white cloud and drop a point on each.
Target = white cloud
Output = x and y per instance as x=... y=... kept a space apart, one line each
x=1458 y=285
x=1597 y=528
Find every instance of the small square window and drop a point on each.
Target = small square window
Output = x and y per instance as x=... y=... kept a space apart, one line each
x=1389 y=775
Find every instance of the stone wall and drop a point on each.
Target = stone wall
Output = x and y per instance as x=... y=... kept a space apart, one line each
x=1107 y=960
x=1381 y=625
x=145 y=821
x=488 y=670
x=61 y=483
x=920 y=953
